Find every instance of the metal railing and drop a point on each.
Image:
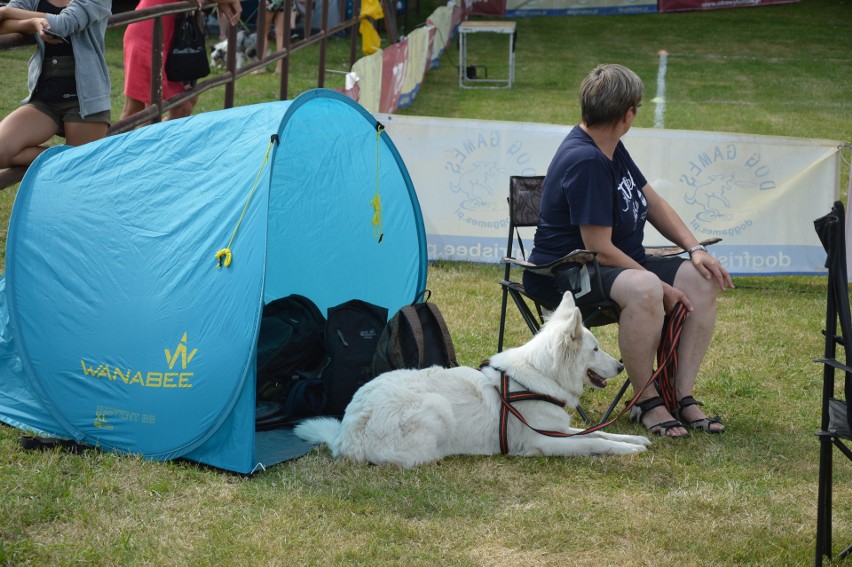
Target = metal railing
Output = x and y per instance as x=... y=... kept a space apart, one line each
x=227 y=79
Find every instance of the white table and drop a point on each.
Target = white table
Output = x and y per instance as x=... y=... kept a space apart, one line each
x=499 y=27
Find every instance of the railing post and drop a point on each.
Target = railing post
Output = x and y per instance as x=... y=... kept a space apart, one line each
x=260 y=30
x=157 y=68
x=353 y=38
x=231 y=65
x=285 y=63
x=323 y=44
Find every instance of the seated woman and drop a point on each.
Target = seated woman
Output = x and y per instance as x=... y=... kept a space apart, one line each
x=69 y=88
x=595 y=197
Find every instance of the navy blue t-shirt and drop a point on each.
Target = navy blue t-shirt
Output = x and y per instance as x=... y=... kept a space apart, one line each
x=583 y=187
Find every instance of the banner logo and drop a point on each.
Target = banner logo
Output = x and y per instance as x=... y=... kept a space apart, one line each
x=478 y=163
x=716 y=184
x=157 y=378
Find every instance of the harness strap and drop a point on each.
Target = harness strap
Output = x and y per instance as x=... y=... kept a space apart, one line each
x=664 y=375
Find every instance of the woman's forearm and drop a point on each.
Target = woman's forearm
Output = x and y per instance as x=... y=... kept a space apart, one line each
x=7 y=13
x=19 y=26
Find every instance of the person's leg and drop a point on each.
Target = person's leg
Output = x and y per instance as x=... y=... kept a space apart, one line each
x=640 y=296
x=223 y=25
x=131 y=106
x=22 y=134
x=696 y=336
x=79 y=133
x=182 y=110
x=279 y=37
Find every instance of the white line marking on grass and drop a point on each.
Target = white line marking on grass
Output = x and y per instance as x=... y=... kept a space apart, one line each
x=660 y=99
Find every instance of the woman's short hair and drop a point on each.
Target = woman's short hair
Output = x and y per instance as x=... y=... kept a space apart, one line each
x=608 y=92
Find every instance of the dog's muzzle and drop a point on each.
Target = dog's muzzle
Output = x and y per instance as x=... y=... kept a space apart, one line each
x=596 y=379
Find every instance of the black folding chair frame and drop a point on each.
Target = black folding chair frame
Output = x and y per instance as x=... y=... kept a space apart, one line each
x=832 y=434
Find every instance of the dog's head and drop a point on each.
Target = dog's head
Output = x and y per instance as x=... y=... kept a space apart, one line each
x=576 y=357
x=218 y=53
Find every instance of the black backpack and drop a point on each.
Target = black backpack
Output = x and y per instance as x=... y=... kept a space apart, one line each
x=290 y=355
x=416 y=337
x=351 y=336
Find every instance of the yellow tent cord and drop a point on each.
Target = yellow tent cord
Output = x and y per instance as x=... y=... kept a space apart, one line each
x=376 y=202
x=224 y=256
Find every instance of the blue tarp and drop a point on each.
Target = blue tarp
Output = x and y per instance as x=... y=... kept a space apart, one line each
x=118 y=325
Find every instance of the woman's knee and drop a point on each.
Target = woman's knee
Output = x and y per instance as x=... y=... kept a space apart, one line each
x=700 y=290
x=638 y=289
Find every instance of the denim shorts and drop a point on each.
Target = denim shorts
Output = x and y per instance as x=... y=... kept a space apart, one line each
x=62 y=112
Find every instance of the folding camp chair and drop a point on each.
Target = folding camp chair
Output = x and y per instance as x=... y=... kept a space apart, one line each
x=836 y=423
x=580 y=267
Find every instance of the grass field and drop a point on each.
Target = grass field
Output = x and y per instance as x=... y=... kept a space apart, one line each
x=746 y=497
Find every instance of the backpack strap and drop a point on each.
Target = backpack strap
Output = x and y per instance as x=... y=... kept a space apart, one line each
x=413 y=321
x=449 y=348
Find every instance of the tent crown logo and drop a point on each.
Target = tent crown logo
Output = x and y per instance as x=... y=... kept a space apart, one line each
x=180 y=353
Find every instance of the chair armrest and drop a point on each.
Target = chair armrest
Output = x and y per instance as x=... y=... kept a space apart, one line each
x=575 y=257
x=834 y=364
x=662 y=251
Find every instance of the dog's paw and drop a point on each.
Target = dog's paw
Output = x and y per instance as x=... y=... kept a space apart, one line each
x=636 y=440
x=627 y=449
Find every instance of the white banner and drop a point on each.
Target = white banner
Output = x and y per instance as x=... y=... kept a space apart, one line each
x=760 y=194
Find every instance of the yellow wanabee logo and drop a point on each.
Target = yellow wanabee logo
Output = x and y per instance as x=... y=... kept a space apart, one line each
x=150 y=379
x=180 y=351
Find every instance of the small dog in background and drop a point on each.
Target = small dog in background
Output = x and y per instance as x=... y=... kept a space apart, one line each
x=246 y=50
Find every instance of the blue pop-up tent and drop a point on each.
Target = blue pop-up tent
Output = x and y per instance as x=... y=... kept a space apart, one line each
x=137 y=267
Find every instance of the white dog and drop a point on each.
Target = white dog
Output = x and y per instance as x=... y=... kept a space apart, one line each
x=410 y=417
x=246 y=49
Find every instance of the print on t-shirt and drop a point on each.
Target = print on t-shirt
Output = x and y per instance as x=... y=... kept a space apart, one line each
x=626 y=187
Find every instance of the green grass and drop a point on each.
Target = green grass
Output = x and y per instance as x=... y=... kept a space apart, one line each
x=746 y=497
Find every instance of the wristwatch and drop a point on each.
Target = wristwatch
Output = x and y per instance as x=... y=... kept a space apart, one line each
x=696 y=248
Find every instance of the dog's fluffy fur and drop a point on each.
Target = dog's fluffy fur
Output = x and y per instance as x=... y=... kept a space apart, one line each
x=246 y=50
x=410 y=417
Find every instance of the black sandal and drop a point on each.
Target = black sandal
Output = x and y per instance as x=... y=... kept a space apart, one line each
x=660 y=429
x=704 y=423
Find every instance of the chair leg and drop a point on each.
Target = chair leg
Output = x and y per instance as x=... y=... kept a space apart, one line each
x=529 y=318
x=615 y=401
x=503 y=305
x=823 y=539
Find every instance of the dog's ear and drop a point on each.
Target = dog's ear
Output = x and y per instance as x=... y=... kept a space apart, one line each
x=576 y=323
x=567 y=300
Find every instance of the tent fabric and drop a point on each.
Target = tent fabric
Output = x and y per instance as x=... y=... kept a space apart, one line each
x=119 y=325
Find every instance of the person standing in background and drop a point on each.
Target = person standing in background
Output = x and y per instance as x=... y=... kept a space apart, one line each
x=138 y=42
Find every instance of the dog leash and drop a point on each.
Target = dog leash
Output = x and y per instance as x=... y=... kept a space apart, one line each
x=665 y=375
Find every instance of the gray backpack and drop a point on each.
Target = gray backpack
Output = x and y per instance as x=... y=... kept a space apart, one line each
x=416 y=337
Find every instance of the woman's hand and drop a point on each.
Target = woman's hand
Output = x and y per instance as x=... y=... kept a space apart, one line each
x=672 y=295
x=230 y=9
x=710 y=268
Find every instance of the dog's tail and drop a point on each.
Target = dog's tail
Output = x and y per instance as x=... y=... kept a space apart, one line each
x=318 y=430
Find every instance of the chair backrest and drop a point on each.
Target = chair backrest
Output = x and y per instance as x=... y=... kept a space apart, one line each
x=525 y=200
x=832 y=233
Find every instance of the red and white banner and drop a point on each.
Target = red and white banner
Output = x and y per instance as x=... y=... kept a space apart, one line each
x=394 y=63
